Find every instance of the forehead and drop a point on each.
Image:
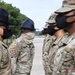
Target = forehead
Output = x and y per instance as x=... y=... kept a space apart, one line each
x=70 y=13
x=2 y=27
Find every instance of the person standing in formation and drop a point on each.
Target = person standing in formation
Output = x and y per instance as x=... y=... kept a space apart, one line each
x=5 y=32
x=60 y=37
x=46 y=45
x=22 y=49
x=64 y=61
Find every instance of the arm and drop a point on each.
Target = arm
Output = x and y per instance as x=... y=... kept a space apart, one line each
x=47 y=43
x=30 y=58
x=25 y=59
x=13 y=54
x=0 y=54
x=32 y=53
x=64 y=63
x=45 y=52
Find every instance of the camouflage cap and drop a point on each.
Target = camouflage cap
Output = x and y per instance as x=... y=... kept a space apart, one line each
x=52 y=18
x=46 y=26
x=67 y=5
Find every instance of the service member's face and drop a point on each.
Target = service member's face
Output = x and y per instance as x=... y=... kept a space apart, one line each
x=5 y=32
x=52 y=28
x=65 y=20
x=3 y=27
x=70 y=19
x=27 y=30
x=70 y=13
x=1 y=31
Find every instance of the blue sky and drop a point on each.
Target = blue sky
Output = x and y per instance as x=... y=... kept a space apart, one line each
x=38 y=10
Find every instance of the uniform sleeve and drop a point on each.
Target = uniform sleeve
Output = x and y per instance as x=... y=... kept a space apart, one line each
x=32 y=53
x=46 y=44
x=25 y=60
x=0 y=54
x=65 y=63
x=13 y=54
x=45 y=52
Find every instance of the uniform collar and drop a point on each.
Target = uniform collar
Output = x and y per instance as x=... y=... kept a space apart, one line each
x=70 y=38
x=27 y=39
x=2 y=43
x=63 y=37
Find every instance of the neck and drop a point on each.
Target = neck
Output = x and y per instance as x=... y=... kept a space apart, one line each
x=1 y=38
x=71 y=29
x=59 y=33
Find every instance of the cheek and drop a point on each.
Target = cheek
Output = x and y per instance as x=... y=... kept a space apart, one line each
x=1 y=31
x=71 y=19
x=67 y=28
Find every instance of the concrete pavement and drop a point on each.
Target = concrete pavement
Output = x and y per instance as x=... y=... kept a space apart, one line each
x=37 y=68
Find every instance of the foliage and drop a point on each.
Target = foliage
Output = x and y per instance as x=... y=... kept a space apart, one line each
x=15 y=17
x=38 y=33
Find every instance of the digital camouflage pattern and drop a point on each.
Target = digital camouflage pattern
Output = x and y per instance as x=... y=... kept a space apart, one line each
x=5 y=68
x=68 y=2
x=59 y=42
x=67 y=5
x=64 y=61
x=52 y=18
x=21 y=53
x=45 y=52
x=47 y=45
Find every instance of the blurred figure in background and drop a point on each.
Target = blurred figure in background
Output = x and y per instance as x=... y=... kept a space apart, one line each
x=5 y=32
x=50 y=48
x=22 y=49
x=46 y=45
x=61 y=37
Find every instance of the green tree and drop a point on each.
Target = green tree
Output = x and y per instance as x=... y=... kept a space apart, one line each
x=15 y=17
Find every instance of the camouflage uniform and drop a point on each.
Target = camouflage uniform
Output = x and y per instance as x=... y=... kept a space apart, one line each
x=21 y=53
x=59 y=42
x=47 y=45
x=45 y=52
x=5 y=68
x=64 y=61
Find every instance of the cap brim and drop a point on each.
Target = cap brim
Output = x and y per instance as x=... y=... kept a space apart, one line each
x=65 y=9
x=50 y=21
x=8 y=23
x=46 y=25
